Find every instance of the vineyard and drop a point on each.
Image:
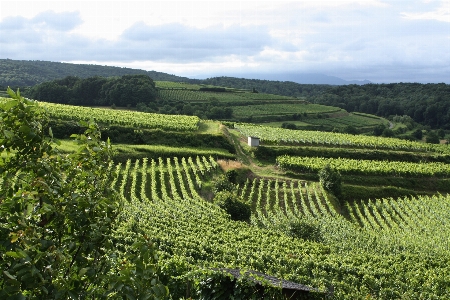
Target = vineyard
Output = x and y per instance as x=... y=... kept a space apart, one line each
x=122 y=117
x=364 y=167
x=330 y=139
x=281 y=109
x=355 y=120
x=358 y=247
x=179 y=94
x=386 y=248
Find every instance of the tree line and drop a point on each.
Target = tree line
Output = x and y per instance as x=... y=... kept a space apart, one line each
x=131 y=91
x=426 y=104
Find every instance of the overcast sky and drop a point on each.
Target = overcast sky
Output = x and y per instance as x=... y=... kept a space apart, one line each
x=382 y=41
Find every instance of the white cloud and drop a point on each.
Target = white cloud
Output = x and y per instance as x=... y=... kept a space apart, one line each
x=441 y=13
x=344 y=38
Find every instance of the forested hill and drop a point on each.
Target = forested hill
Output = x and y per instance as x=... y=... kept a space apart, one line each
x=427 y=104
x=284 y=88
x=20 y=73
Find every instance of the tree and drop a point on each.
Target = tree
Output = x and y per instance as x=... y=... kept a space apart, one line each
x=432 y=138
x=331 y=180
x=418 y=134
x=223 y=183
x=350 y=129
x=57 y=213
x=378 y=130
x=387 y=132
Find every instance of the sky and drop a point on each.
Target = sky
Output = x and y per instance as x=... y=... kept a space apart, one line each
x=376 y=40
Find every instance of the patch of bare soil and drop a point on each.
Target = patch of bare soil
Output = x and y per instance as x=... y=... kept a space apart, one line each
x=228 y=164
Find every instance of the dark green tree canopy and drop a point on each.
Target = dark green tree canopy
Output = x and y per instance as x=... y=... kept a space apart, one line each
x=128 y=90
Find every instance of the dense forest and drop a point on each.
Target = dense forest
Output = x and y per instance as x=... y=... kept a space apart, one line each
x=426 y=104
x=127 y=90
x=21 y=73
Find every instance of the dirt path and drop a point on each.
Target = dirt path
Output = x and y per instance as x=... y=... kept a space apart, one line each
x=246 y=160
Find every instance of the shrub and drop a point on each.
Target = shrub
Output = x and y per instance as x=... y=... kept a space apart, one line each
x=238 y=210
x=223 y=183
x=232 y=176
x=304 y=229
x=331 y=180
x=432 y=138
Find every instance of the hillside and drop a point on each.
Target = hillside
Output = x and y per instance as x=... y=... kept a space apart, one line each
x=21 y=73
x=384 y=237
x=425 y=104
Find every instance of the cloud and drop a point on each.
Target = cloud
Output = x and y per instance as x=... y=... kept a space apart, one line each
x=348 y=39
x=441 y=13
x=64 y=21
x=179 y=43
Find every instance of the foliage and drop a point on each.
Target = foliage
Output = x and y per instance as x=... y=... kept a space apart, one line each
x=223 y=183
x=232 y=176
x=426 y=104
x=304 y=229
x=127 y=90
x=56 y=211
x=365 y=167
x=432 y=138
x=29 y=73
x=331 y=180
x=418 y=134
x=222 y=285
x=238 y=210
x=273 y=135
x=122 y=118
x=350 y=129
x=270 y=153
x=360 y=254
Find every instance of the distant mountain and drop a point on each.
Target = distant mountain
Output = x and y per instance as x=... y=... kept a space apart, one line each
x=304 y=78
x=32 y=72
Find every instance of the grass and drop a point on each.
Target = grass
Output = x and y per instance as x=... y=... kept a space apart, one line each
x=211 y=127
x=126 y=151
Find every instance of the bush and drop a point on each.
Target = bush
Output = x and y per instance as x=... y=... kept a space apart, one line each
x=57 y=215
x=238 y=211
x=304 y=229
x=232 y=176
x=331 y=180
x=223 y=183
x=432 y=138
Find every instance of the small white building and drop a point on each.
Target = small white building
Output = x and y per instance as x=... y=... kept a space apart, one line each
x=253 y=141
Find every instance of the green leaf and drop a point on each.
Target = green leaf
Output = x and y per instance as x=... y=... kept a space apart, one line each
x=14 y=238
x=8 y=134
x=14 y=254
x=11 y=93
x=129 y=296
x=8 y=105
x=24 y=129
x=83 y=271
x=72 y=295
x=9 y=275
x=160 y=290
